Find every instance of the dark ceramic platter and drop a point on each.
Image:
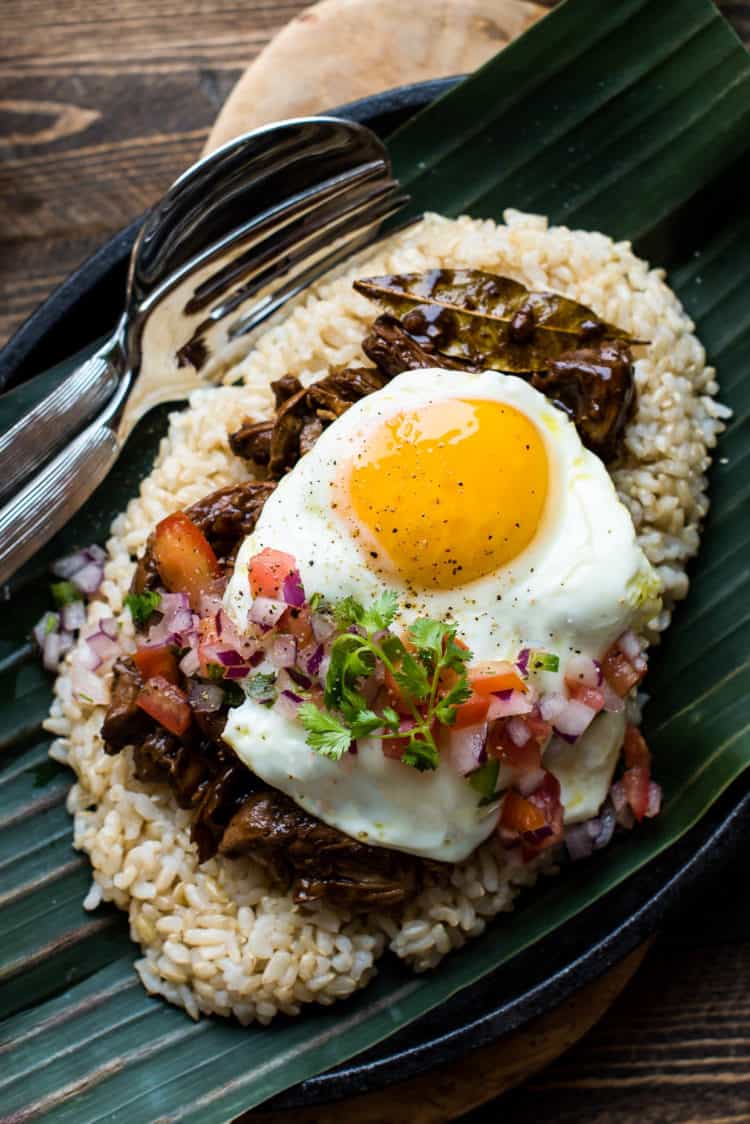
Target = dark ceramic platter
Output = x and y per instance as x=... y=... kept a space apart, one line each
x=575 y=953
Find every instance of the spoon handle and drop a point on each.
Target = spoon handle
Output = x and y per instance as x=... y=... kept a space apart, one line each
x=54 y=420
x=50 y=498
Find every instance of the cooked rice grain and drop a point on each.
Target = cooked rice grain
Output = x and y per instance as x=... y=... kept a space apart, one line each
x=218 y=937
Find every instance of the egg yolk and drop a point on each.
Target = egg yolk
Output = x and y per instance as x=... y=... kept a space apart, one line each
x=450 y=492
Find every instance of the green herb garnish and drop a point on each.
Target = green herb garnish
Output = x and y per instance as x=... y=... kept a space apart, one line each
x=417 y=673
x=64 y=593
x=261 y=687
x=484 y=780
x=543 y=661
x=233 y=693
x=142 y=605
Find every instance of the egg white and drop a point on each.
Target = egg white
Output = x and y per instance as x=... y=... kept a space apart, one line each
x=577 y=586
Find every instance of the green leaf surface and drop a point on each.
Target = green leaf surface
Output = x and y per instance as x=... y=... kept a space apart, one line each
x=632 y=118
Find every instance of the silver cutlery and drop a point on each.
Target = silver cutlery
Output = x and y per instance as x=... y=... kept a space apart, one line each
x=234 y=238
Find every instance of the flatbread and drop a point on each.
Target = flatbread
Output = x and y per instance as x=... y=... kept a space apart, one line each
x=341 y=50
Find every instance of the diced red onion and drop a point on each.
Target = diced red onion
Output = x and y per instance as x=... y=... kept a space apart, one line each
x=108 y=625
x=654 y=800
x=87 y=658
x=247 y=646
x=51 y=651
x=70 y=564
x=173 y=602
x=88 y=579
x=574 y=719
x=629 y=645
x=190 y=662
x=578 y=842
x=618 y=797
x=67 y=640
x=283 y=651
x=104 y=646
x=516 y=702
x=43 y=627
x=463 y=748
x=582 y=669
x=529 y=781
x=323 y=669
x=210 y=604
x=314 y=660
x=292 y=591
x=87 y=686
x=552 y=705
x=229 y=658
x=322 y=626
x=96 y=553
x=205 y=698
x=522 y=663
x=299 y=679
x=612 y=701
x=241 y=672
x=518 y=732
x=266 y=612
x=533 y=838
x=287 y=703
x=73 y=616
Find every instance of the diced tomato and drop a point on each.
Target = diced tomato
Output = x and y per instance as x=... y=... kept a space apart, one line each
x=619 y=672
x=591 y=697
x=636 y=780
x=472 y=711
x=157 y=661
x=636 y=783
x=637 y=753
x=519 y=814
x=166 y=703
x=497 y=675
x=501 y=745
x=547 y=798
x=184 y=557
x=298 y=623
x=267 y=571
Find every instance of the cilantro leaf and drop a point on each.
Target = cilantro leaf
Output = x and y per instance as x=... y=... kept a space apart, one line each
x=421 y=752
x=142 y=605
x=366 y=722
x=376 y=618
x=445 y=708
x=381 y=613
x=390 y=719
x=351 y=660
x=325 y=733
x=484 y=780
x=428 y=636
x=412 y=678
x=347 y=612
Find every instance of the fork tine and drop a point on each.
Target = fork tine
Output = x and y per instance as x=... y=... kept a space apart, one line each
x=257 y=268
x=353 y=238
x=266 y=224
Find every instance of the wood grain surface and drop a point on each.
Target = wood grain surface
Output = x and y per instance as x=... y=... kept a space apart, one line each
x=101 y=106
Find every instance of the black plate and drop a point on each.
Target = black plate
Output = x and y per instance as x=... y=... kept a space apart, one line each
x=575 y=953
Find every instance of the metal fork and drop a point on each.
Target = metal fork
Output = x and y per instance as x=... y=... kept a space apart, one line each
x=235 y=237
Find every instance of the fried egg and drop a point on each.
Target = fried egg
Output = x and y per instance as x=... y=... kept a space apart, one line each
x=472 y=497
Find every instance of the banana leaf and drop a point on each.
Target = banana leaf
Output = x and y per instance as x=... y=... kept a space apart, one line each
x=632 y=118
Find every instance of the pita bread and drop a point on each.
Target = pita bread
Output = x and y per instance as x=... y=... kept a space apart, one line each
x=341 y=50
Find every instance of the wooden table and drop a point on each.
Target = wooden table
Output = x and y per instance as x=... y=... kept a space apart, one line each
x=101 y=105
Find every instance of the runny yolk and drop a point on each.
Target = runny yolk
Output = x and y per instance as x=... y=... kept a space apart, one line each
x=447 y=493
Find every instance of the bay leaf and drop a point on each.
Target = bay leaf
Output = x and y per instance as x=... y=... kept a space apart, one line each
x=489 y=321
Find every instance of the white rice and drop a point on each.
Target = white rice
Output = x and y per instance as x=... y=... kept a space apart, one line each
x=219 y=937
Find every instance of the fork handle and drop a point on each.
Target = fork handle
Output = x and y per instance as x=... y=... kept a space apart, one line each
x=54 y=420
x=48 y=501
